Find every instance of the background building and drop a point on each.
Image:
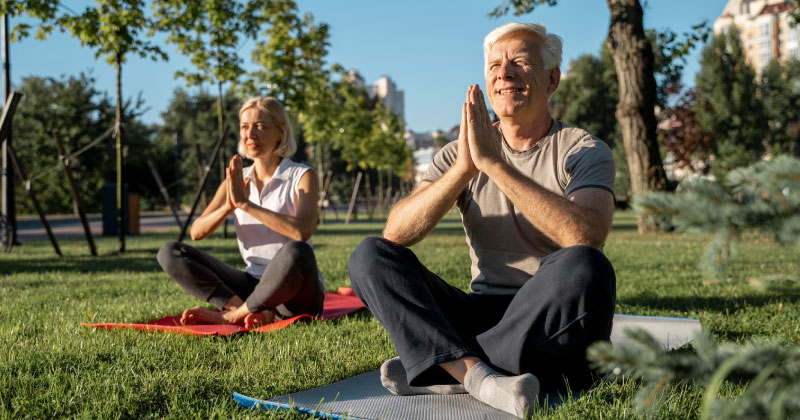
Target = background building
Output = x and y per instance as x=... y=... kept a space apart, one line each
x=765 y=30
x=391 y=97
x=425 y=145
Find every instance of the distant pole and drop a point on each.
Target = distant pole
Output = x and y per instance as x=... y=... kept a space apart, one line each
x=203 y=181
x=8 y=205
x=177 y=170
x=73 y=187
x=34 y=201
x=121 y=210
x=353 y=199
x=164 y=192
x=220 y=124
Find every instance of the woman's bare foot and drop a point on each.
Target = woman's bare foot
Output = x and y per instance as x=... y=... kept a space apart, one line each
x=255 y=320
x=201 y=315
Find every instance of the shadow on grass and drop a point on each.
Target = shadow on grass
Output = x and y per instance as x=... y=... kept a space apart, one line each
x=105 y=263
x=80 y=265
x=719 y=304
x=623 y=227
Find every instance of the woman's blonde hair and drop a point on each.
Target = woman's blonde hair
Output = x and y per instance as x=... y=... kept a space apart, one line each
x=273 y=109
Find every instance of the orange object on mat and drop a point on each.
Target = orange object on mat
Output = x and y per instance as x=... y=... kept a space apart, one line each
x=336 y=305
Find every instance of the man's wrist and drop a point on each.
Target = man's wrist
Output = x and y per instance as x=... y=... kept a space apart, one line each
x=463 y=174
x=495 y=167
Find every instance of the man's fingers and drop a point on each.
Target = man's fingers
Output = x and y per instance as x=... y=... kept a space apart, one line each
x=483 y=112
x=471 y=123
x=462 y=131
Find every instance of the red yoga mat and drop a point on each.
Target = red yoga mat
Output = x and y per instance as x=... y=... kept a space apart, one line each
x=336 y=305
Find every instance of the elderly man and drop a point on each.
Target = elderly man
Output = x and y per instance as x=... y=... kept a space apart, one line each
x=536 y=199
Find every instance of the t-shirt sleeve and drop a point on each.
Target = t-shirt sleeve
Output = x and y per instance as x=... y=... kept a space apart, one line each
x=442 y=161
x=589 y=164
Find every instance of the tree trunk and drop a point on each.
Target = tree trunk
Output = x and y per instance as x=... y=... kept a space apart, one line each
x=120 y=207
x=379 y=198
x=369 y=196
x=634 y=61
x=220 y=123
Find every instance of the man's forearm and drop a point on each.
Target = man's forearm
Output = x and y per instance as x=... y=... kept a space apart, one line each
x=560 y=219
x=414 y=217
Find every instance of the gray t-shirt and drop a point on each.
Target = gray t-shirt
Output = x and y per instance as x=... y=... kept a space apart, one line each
x=504 y=246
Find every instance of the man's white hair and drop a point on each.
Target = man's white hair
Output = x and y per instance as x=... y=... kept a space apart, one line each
x=551 y=45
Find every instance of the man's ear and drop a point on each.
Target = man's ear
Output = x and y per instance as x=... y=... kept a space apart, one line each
x=553 y=80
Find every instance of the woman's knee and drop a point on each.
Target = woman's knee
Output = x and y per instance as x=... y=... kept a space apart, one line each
x=167 y=254
x=296 y=256
x=298 y=251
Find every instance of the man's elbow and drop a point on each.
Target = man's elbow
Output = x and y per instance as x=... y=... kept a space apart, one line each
x=395 y=237
x=390 y=235
x=592 y=239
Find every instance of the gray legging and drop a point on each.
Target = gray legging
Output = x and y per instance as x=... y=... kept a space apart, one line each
x=290 y=284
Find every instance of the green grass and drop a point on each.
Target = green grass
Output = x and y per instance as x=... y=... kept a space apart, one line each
x=50 y=366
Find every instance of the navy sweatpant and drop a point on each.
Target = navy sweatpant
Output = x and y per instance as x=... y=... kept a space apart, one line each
x=543 y=329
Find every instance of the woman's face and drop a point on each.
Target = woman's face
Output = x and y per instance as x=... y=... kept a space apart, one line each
x=258 y=135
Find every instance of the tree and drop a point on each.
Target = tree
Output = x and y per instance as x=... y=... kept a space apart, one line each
x=291 y=58
x=727 y=103
x=691 y=146
x=764 y=196
x=634 y=61
x=192 y=117
x=114 y=28
x=768 y=372
x=210 y=33
x=587 y=96
x=353 y=124
x=81 y=114
x=780 y=91
x=794 y=14
x=42 y=10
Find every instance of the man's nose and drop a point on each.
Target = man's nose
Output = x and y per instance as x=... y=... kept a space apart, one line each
x=505 y=71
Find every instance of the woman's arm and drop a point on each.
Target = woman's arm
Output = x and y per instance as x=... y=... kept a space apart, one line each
x=213 y=215
x=299 y=227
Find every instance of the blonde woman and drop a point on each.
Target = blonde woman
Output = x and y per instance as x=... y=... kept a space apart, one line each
x=274 y=205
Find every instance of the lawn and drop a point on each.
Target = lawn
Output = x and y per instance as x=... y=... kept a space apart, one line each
x=50 y=366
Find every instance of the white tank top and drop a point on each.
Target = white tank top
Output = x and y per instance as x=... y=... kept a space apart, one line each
x=258 y=243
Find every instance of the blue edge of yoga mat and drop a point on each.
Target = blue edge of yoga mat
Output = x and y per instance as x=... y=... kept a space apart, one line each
x=256 y=404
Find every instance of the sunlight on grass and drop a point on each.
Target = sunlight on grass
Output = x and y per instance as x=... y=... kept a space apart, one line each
x=53 y=367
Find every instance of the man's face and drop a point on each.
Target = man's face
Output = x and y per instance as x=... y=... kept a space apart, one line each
x=516 y=81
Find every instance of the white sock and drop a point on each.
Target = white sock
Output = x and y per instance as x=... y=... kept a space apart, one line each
x=513 y=394
x=393 y=378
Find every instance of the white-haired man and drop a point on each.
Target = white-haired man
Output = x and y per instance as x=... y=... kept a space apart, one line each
x=536 y=199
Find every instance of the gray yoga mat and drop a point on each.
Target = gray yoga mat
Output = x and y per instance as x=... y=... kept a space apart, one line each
x=363 y=396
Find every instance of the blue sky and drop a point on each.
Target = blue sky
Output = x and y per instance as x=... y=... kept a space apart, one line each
x=430 y=48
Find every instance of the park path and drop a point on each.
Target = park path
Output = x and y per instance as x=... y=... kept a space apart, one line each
x=68 y=226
